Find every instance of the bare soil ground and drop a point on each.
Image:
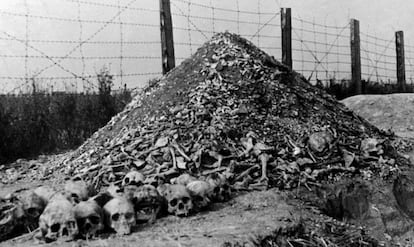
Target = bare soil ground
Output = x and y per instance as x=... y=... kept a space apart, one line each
x=240 y=220
x=392 y=111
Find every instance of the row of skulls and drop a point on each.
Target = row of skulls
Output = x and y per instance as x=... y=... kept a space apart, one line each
x=79 y=212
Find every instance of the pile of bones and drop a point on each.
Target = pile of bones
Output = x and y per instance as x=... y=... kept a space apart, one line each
x=244 y=122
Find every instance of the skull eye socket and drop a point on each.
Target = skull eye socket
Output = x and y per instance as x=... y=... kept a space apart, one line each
x=94 y=220
x=126 y=180
x=129 y=216
x=115 y=217
x=186 y=200
x=33 y=212
x=173 y=202
x=55 y=227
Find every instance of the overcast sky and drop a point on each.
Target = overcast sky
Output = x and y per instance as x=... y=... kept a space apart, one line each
x=140 y=34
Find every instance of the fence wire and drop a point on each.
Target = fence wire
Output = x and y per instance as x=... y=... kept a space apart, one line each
x=86 y=44
x=63 y=49
x=378 y=58
x=321 y=52
x=195 y=22
x=409 y=63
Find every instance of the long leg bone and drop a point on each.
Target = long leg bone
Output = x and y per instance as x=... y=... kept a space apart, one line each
x=264 y=159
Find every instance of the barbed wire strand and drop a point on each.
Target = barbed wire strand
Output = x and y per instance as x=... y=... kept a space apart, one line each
x=337 y=53
x=301 y=48
x=189 y=27
x=189 y=20
x=327 y=56
x=26 y=49
x=79 y=5
x=264 y=25
x=44 y=55
x=238 y=16
x=259 y=24
x=121 y=44
x=89 y=38
x=225 y=9
x=116 y=6
x=213 y=20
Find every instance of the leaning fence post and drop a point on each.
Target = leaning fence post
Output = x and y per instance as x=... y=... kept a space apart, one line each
x=356 y=56
x=399 y=48
x=167 y=41
x=286 y=26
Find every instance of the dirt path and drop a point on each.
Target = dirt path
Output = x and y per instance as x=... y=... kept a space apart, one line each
x=392 y=111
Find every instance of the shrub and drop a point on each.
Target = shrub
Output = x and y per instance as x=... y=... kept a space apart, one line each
x=39 y=122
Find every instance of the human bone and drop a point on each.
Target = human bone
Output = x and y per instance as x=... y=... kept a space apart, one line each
x=178 y=199
x=133 y=178
x=89 y=217
x=372 y=147
x=77 y=191
x=320 y=142
x=200 y=193
x=221 y=189
x=11 y=217
x=114 y=190
x=120 y=215
x=33 y=206
x=183 y=179
x=58 y=220
x=45 y=193
x=148 y=203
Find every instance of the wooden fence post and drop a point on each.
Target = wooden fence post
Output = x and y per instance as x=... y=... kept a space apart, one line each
x=356 y=56
x=286 y=26
x=167 y=41
x=399 y=48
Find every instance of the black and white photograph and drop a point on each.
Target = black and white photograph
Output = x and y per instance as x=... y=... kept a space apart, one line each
x=206 y=123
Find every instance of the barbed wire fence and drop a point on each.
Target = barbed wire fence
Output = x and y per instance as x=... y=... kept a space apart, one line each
x=378 y=61
x=64 y=50
x=93 y=49
x=321 y=52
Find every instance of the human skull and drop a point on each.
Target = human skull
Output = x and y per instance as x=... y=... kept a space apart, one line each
x=58 y=220
x=33 y=206
x=77 y=191
x=133 y=178
x=89 y=217
x=183 y=179
x=120 y=215
x=178 y=199
x=148 y=203
x=200 y=193
x=220 y=188
x=321 y=141
x=45 y=193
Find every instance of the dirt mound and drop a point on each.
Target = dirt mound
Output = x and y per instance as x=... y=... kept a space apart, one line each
x=232 y=110
x=391 y=111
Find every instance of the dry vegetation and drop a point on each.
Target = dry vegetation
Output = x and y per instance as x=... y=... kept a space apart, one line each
x=39 y=122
